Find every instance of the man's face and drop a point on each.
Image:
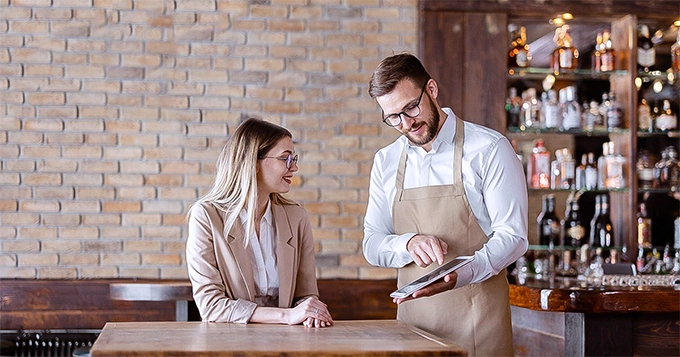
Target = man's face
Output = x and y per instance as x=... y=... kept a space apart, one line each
x=422 y=128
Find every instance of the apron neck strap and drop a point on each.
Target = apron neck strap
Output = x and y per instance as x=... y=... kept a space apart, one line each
x=458 y=139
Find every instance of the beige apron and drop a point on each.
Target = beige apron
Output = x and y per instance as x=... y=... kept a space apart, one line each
x=476 y=316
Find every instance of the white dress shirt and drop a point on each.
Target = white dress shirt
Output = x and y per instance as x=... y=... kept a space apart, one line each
x=494 y=184
x=262 y=251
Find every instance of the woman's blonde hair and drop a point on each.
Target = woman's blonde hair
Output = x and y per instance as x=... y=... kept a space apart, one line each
x=235 y=184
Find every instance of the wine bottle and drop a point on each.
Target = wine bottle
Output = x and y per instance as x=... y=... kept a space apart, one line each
x=602 y=230
x=572 y=225
x=548 y=223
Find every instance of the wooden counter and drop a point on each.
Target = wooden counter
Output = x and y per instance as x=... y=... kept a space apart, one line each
x=345 y=338
x=567 y=317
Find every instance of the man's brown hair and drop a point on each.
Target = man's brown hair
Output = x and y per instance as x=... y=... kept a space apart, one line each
x=392 y=70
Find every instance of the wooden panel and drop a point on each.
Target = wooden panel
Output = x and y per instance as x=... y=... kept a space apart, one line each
x=441 y=48
x=71 y=304
x=345 y=338
x=608 y=335
x=485 y=69
x=624 y=205
x=653 y=9
x=351 y=299
x=656 y=335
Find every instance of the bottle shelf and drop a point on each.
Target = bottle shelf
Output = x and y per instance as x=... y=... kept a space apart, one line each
x=653 y=75
x=578 y=132
x=655 y=190
x=670 y=134
x=540 y=73
x=536 y=247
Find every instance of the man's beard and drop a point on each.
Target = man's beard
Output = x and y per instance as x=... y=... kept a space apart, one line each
x=431 y=126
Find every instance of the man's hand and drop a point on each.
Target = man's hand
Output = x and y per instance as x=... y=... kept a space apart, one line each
x=448 y=282
x=425 y=249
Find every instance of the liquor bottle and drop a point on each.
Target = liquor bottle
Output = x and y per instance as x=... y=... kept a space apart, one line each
x=571 y=113
x=519 y=55
x=616 y=168
x=538 y=167
x=601 y=230
x=667 y=120
x=565 y=56
x=614 y=113
x=548 y=223
x=596 y=57
x=608 y=54
x=594 y=120
x=567 y=169
x=669 y=170
x=580 y=174
x=602 y=166
x=644 y=227
x=644 y=116
x=675 y=55
x=604 y=106
x=661 y=181
x=530 y=109
x=645 y=170
x=591 y=173
x=592 y=242
x=646 y=53
x=556 y=170
x=551 y=111
x=572 y=225
x=512 y=107
x=655 y=114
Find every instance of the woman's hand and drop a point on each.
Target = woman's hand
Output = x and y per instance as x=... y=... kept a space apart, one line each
x=311 y=313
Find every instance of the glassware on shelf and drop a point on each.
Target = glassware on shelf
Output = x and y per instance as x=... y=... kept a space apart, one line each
x=530 y=109
x=667 y=171
x=644 y=227
x=645 y=169
x=519 y=55
x=644 y=116
x=551 y=111
x=602 y=166
x=580 y=173
x=614 y=113
x=646 y=53
x=512 y=107
x=593 y=118
x=616 y=168
x=667 y=119
x=607 y=54
x=675 y=55
x=571 y=111
x=565 y=56
x=538 y=166
x=591 y=173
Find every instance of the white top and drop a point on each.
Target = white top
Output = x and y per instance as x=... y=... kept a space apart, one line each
x=262 y=252
x=494 y=183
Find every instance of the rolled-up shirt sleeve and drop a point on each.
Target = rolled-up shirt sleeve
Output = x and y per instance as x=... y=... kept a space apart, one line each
x=504 y=192
x=208 y=289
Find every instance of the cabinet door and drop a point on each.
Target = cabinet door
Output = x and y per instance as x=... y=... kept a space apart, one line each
x=465 y=53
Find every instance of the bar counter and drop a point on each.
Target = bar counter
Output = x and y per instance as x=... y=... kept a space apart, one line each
x=344 y=338
x=569 y=317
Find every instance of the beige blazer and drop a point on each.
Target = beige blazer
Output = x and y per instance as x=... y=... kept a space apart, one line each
x=219 y=265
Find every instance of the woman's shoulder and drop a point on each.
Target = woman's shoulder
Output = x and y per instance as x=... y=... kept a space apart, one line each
x=203 y=210
x=293 y=211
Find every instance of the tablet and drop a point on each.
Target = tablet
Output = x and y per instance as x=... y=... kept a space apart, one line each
x=431 y=277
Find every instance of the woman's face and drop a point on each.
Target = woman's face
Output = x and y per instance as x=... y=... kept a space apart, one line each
x=272 y=174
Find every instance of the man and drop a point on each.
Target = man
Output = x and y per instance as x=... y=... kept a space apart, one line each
x=445 y=188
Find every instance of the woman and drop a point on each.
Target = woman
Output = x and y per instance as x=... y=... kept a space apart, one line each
x=250 y=251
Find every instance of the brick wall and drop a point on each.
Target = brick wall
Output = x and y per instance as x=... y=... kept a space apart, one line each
x=112 y=113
